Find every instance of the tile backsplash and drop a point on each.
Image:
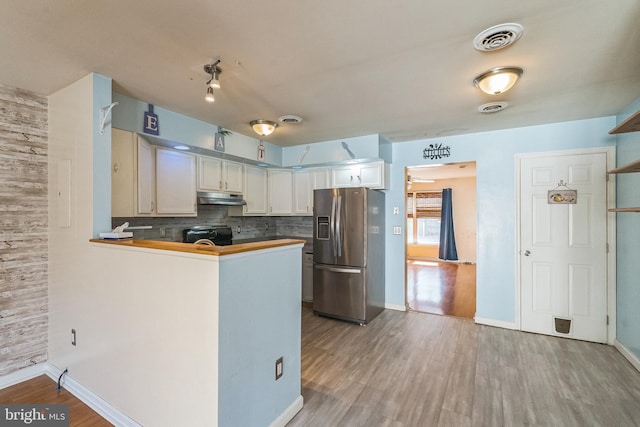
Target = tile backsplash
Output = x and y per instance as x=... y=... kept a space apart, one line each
x=170 y=228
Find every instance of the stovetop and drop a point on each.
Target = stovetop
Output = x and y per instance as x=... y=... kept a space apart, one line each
x=220 y=235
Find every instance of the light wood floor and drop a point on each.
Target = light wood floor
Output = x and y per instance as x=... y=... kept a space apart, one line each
x=42 y=390
x=439 y=287
x=416 y=369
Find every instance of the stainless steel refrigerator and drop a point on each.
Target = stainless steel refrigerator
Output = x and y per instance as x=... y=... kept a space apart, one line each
x=348 y=253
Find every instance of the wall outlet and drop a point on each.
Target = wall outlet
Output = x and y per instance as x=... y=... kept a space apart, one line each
x=163 y=232
x=238 y=229
x=397 y=230
x=73 y=337
x=396 y=210
x=279 y=368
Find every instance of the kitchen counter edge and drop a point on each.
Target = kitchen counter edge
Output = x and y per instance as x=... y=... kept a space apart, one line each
x=201 y=249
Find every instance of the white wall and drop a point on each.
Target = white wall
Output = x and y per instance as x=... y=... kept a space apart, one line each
x=136 y=344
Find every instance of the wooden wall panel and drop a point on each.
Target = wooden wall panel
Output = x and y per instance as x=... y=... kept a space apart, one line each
x=23 y=229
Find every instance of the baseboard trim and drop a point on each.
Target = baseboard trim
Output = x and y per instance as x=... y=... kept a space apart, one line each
x=21 y=375
x=288 y=413
x=495 y=323
x=92 y=400
x=395 y=307
x=628 y=354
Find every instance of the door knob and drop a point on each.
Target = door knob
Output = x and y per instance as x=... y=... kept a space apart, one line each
x=527 y=252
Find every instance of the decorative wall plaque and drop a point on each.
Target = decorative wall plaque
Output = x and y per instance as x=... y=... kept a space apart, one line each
x=219 y=142
x=562 y=195
x=436 y=151
x=150 y=124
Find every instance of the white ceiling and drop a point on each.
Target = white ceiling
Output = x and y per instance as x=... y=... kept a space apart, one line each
x=443 y=171
x=401 y=69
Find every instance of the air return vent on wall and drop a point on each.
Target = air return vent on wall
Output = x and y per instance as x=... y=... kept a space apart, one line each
x=497 y=37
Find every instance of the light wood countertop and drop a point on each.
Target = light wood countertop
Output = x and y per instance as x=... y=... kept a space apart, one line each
x=201 y=249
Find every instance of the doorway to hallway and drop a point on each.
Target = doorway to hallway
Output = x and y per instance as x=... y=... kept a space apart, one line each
x=434 y=285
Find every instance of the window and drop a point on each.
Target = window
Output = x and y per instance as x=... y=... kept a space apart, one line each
x=424 y=209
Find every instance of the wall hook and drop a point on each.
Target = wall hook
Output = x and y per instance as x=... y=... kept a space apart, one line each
x=104 y=113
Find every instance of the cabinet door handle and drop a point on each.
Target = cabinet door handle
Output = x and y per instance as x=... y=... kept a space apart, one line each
x=219 y=184
x=153 y=207
x=226 y=185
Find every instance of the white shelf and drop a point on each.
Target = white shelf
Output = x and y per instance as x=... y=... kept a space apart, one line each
x=633 y=167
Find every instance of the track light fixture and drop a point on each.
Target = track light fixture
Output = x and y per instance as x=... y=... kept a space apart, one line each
x=263 y=127
x=213 y=82
x=209 y=96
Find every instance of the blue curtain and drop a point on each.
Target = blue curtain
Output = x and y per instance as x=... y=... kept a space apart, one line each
x=447 y=239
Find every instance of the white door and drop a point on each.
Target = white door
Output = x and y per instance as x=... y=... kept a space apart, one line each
x=563 y=252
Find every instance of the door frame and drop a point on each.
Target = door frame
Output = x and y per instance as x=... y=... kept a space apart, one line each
x=610 y=152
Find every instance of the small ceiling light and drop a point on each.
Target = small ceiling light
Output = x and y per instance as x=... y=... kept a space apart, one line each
x=209 y=96
x=263 y=127
x=498 y=80
x=213 y=82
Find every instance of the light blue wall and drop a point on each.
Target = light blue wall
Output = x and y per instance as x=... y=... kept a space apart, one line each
x=363 y=147
x=494 y=154
x=628 y=240
x=259 y=322
x=101 y=157
x=129 y=115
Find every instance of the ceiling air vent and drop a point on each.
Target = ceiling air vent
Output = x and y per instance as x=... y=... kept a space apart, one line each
x=290 y=119
x=492 y=107
x=497 y=37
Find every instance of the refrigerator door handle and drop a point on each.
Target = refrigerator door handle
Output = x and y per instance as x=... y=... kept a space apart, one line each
x=339 y=269
x=339 y=227
x=332 y=227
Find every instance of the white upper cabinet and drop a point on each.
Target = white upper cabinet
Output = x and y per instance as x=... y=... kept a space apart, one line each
x=175 y=183
x=371 y=175
x=133 y=191
x=218 y=175
x=255 y=192
x=146 y=179
x=150 y=181
x=280 y=192
x=304 y=182
x=232 y=173
x=302 y=193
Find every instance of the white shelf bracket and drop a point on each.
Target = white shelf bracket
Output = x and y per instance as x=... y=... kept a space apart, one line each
x=104 y=113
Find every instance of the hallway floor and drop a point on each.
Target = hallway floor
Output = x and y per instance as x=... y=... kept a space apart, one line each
x=439 y=287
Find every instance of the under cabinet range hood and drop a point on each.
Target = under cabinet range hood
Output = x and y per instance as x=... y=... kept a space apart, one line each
x=208 y=198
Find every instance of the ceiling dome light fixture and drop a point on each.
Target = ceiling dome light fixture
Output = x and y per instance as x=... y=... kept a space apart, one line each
x=263 y=127
x=498 y=80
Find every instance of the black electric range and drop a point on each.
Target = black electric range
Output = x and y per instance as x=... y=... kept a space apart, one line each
x=219 y=235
